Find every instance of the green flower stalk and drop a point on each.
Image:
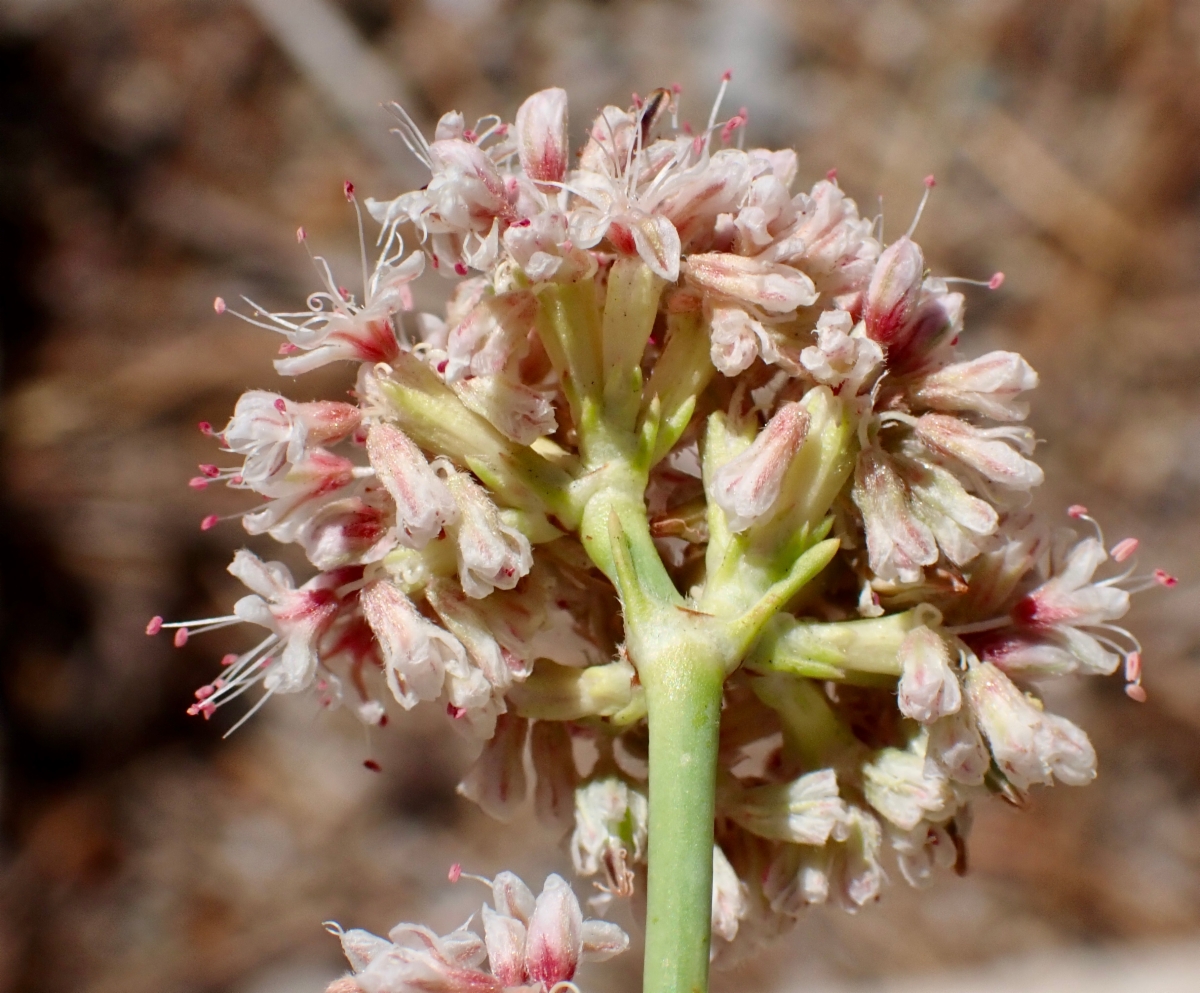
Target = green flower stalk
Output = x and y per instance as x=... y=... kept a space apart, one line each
x=690 y=468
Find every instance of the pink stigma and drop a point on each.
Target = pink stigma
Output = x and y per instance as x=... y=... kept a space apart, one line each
x=181 y=637
x=727 y=75
x=209 y=522
x=372 y=765
x=1077 y=510
x=154 y=626
x=348 y=189
x=219 y=305
x=280 y=405
x=1123 y=549
x=996 y=281
x=455 y=873
x=831 y=175
x=1164 y=578
x=301 y=235
x=930 y=182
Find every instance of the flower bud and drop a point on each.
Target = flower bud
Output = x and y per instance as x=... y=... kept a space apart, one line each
x=856 y=872
x=735 y=339
x=491 y=555
x=893 y=293
x=747 y=486
x=424 y=505
x=555 y=938
x=542 y=136
x=898 y=544
x=804 y=811
x=987 y=385
x=416 y=652
x=928 y=685
x=517 y=411
x=776 y=288
x=1029 y=745
x=986 y=450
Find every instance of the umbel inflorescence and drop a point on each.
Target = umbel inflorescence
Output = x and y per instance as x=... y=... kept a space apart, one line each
x=691 y=469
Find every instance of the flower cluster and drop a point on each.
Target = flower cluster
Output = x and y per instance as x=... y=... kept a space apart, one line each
x=664 y=376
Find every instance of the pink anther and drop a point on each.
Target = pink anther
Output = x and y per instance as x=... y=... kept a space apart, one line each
x=154 y=626
x=198 y=483
x=455 y=712
x=727 y=75
x=301 y=235
x=1164 y=578
x=460 y=268
x=348 y=189
x=1123 y=549
x=372 y=765
x=831 y=175
x=219 y=305
x=210 y=470
x=209 y=522
x=930 y=182
x=455 y=873
x=1077 y=510
x=181 y=637
x=996 y=281
x=229 y=659
x=280 y=405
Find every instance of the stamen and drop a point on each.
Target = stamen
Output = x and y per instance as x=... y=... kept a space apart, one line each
x=209 y=522
x=181 y=637
x=994 y=283
x=155 y=625
x=250 y=713
x=716 y=107
x=930 y=183
x=455 y=873
x=831 y=175
x=219 y=305
x=1164 y=578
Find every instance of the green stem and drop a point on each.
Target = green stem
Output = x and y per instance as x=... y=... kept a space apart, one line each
x=684 y=698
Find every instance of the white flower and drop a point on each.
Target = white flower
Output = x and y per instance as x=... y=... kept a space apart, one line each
x=610 y=831
x=898 y=542
x=988 y=385
x=272 y=431
x=986 y=450
x=904 y=789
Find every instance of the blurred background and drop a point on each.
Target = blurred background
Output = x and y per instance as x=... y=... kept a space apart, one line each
x=154 y=153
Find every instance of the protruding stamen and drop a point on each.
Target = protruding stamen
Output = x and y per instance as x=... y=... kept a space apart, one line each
x=930 y=182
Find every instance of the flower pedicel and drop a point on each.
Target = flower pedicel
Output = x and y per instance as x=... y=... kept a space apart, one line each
x=691 y=468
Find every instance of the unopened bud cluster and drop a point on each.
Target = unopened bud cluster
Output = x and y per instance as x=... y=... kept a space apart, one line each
x=662 y=329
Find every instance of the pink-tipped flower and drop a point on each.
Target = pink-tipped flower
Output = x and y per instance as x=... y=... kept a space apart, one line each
x=748 y=486
x=893 y=293
x=271 y=431
x=542 y=136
